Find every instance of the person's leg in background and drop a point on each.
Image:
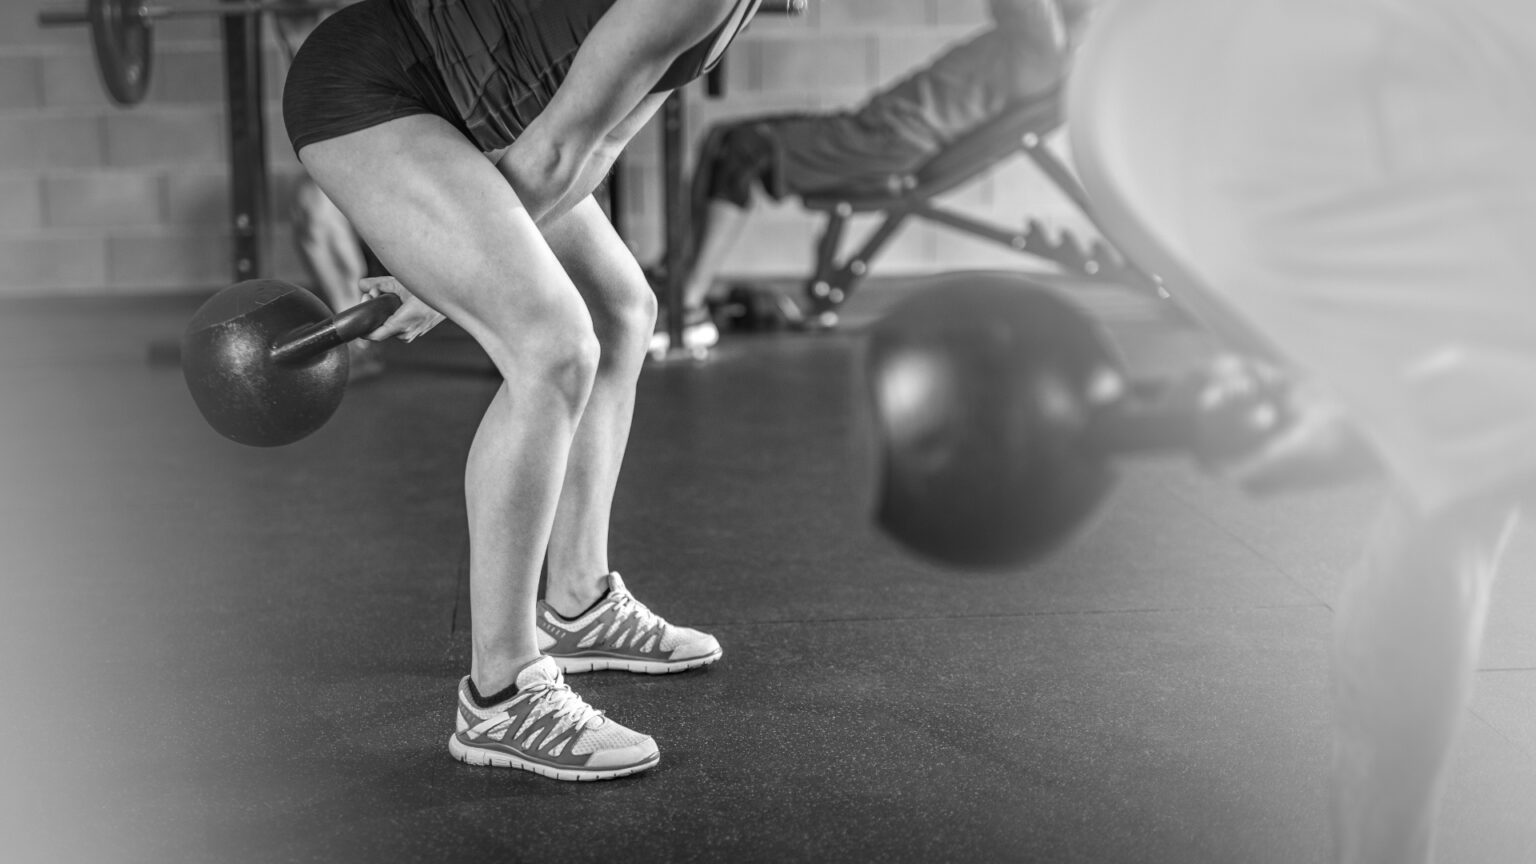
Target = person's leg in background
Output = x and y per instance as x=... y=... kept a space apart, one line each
x=333 y=255
x=1408 y=627
x=732 y=161
x=745 y=163
x=1363 y=210
x=327 y=245
x=722 y=225
x=1376 y=249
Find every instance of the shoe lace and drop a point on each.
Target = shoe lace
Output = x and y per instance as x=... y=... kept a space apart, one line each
x=626 y=606
x=569 y=709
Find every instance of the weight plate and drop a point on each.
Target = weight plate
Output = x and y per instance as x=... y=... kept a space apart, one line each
x=124 y=41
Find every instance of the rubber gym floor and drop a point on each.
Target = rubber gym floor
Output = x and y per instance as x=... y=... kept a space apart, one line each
x=219 y=654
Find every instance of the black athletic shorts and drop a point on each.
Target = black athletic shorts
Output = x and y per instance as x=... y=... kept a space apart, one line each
x=363 y=66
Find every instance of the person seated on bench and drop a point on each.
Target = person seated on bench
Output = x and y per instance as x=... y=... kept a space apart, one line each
x=1023 y=55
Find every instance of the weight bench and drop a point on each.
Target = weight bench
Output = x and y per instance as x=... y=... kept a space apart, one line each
x=1019 y=130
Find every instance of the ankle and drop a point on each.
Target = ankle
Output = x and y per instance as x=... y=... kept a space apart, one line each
x=572 y=599
x=492 y=677
x=487 y=699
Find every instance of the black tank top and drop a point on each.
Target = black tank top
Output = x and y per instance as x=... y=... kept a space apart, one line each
x=502 y=60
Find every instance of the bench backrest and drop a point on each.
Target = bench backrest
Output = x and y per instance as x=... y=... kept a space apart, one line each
x=990 y=143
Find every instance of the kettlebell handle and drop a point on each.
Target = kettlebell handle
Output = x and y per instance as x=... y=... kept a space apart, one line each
x=299 y=345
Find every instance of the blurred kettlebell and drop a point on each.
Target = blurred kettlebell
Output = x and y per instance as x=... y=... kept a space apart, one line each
x=982 y=391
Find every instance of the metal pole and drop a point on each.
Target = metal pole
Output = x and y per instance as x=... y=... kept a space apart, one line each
x=675 y=205
x=250 y=210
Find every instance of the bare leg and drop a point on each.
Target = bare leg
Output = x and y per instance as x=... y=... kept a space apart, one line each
x=623 y=310
x=722 y=228
x=328 y=246
x=1408 y=631
x=450 y=228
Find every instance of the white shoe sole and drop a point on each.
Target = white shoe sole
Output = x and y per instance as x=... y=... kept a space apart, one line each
x=598 y=663
x=472 y=755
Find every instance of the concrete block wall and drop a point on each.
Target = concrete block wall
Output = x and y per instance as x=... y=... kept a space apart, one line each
x=96 y=199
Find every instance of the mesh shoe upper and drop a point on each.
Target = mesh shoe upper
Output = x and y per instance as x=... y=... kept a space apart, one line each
x=620 y=625
x=547 y=721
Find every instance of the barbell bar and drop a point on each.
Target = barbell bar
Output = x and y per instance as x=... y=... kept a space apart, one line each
x=122 y=32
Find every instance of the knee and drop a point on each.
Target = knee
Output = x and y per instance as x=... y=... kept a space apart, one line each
x=567 y=362
x=634 y=312
x=572 y=366
x=557 y=349
x=639 y=313
x=623 y=313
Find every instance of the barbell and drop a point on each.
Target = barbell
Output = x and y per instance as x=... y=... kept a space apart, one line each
x=123 y=36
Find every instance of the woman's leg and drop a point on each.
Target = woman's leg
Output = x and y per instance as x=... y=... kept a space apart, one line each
x=1408 y=630
x=623 y=310
x=450 y=228
x=619 y=632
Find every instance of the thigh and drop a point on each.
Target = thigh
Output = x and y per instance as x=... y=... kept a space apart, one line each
x=445 y=223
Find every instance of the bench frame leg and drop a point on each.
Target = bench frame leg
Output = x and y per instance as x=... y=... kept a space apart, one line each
x=834 y=282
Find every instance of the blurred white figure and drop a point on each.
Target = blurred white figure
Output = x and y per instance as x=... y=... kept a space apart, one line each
x=1351 y=182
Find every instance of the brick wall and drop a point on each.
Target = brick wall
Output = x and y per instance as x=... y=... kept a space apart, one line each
x=96 y=199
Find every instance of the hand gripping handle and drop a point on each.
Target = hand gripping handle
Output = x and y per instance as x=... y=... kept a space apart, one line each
x=310 y=340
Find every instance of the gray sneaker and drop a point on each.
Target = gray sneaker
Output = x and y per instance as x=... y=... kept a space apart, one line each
x=621 y=633
x=547 y=729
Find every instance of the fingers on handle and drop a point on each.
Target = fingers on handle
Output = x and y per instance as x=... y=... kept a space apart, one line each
x=373 y=286
x=397 y=324
x=377 y=286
